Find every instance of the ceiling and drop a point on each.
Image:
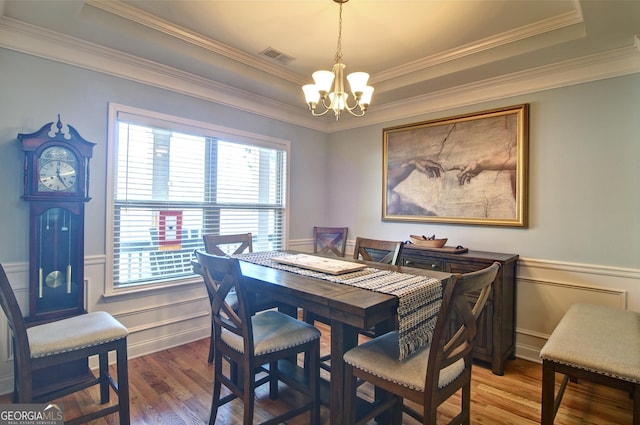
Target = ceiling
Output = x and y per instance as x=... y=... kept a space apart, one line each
x=411 y=48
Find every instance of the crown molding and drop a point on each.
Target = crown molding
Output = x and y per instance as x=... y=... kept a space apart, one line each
x=609 y=64
x=33 y=40
x=133 y=14
x=556 y=23
x=36 y=41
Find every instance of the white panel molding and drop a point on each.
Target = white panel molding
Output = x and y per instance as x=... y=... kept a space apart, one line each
x=168 y=340
x=33 y=40
x=617 y=297
x=591 y=269
x=192 y=306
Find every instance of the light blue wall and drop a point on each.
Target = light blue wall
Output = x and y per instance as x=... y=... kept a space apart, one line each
x=582 y=242
x=584 y=179
x=584 y=201
x=35 y=90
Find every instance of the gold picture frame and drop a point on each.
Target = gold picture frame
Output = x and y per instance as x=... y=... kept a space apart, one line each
x=467 y=169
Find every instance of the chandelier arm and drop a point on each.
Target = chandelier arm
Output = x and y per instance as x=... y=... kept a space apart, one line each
x=316 y=114
x=330 y=105
x=355 y=114
x=354 y=107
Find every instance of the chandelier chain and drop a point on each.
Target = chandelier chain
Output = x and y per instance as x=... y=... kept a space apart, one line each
x=339 y=46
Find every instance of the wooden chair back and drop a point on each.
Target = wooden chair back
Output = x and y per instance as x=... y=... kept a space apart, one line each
x=22 y=353
x=222 y=275
x=454 y=337
x=379 y=251
x=225 y=245
x=330 y=240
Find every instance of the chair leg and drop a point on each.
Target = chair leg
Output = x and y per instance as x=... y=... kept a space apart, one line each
x=273 y=380
x=215 y=399
x=249 y=394
x=123 y=383
x=396 y=415
x=314 y=381
x=350 y=388
x=466 y=403
x=211 y=347
x=103 y=362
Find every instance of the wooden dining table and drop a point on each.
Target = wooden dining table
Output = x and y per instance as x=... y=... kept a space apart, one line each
x=347 y=309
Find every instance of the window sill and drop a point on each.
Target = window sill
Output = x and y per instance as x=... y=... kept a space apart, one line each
x=114 y=293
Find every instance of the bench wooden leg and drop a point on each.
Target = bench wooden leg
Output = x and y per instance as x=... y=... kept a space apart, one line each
x=548 y=392
x=636 y=404
x=551 y=401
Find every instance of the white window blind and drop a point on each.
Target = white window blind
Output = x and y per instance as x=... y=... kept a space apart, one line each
x=171 y=187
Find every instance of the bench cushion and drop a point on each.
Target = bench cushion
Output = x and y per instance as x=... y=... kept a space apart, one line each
x=598 y=339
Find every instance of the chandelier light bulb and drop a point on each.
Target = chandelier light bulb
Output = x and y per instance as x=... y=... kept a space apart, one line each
x=323 y=80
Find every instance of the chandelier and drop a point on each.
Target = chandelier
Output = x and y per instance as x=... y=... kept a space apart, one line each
x=336 y=100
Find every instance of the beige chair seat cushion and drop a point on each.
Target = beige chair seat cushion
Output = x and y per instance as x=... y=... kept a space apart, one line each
x=380 y=356
x=599 y=339
x=74 y=333
x=273 y=331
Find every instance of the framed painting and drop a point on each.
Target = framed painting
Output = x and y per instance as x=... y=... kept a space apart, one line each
x=467 y=169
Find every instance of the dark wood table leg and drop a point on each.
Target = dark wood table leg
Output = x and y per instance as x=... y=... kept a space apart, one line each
x=343 y=338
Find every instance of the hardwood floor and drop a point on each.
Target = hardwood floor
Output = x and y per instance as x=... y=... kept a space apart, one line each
x=173 y=387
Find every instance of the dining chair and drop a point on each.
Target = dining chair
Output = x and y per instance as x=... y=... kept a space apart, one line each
x=437 y=371
x=379 y=251
x=38 y=348
x=256 y=340
x=227 y=245
x=330 y=240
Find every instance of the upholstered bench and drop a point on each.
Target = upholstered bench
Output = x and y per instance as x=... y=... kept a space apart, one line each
x=595 y=343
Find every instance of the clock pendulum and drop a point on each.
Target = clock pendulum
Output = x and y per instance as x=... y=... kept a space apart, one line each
x=59 y=232
x=40 y=269
x=68 y=230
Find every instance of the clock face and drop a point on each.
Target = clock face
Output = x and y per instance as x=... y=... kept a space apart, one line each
x=57 y=170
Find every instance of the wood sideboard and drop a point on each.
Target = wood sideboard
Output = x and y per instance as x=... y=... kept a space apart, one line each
x=495 y=342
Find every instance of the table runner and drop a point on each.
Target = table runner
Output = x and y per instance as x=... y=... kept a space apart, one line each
x=419 y=296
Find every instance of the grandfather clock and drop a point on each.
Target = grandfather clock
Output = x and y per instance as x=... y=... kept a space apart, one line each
x=56 y=183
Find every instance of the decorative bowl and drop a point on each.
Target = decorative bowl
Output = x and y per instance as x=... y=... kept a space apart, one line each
x=428 y=242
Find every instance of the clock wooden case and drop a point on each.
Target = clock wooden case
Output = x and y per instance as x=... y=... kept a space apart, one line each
x=56 y=183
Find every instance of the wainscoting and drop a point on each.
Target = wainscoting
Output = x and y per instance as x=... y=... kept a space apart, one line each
x=173 y=316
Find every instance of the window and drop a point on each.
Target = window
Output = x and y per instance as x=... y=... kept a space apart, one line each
x=173 y=180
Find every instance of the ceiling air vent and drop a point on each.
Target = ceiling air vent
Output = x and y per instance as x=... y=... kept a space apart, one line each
x=274 y=54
